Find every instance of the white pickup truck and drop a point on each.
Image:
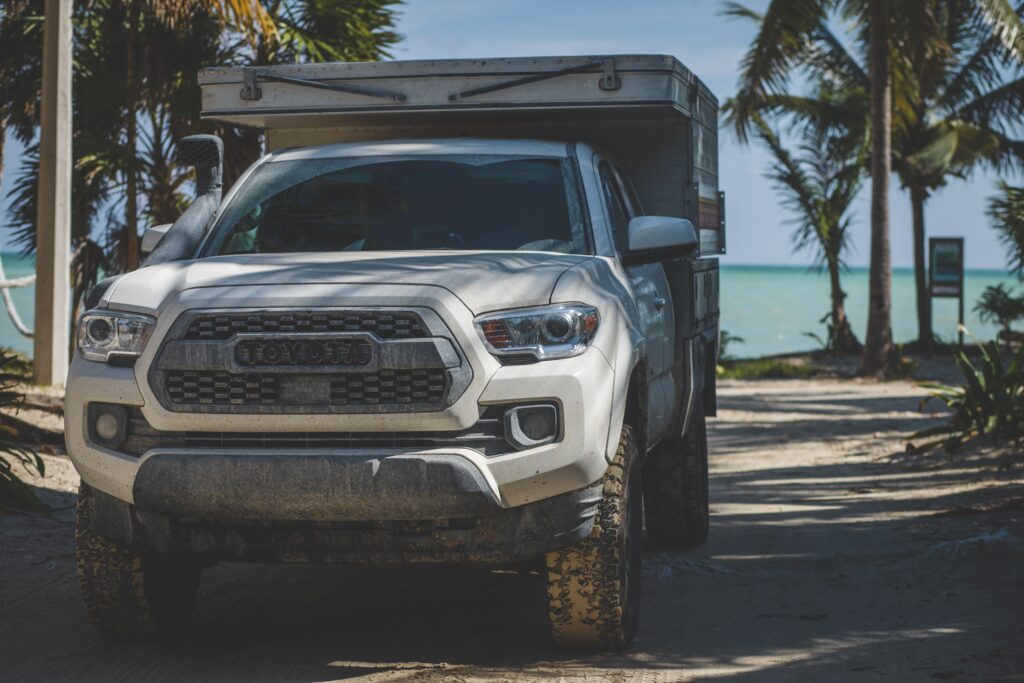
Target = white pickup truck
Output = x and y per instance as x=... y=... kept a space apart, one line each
x=461 y=312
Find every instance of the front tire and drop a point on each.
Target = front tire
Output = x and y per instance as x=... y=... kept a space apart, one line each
x=594 y=586
x=128 y=595
x=676 y=488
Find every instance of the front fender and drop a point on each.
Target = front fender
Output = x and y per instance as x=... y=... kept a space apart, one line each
x=619 y=337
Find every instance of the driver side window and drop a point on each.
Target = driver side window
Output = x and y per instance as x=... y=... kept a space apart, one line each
x=617 y=211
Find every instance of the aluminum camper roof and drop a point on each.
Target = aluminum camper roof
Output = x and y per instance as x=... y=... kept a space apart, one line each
x=316 y=95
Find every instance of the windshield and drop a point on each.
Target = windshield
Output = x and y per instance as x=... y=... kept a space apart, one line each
x=409 y=203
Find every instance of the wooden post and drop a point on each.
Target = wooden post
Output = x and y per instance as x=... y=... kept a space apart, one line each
x=53 y=217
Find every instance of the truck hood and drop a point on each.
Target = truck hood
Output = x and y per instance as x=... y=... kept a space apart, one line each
x=483 y=280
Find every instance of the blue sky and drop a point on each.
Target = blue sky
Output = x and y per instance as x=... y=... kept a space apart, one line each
x=710 y=45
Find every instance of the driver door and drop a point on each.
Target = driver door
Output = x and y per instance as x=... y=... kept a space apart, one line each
x=653 y=300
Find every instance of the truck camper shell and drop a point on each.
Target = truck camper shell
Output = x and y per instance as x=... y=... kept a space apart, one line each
x=648 y=112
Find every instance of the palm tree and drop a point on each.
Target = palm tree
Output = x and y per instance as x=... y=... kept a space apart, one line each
x=788 y=37
x=820 y=183
x=955 y=121
x=1007 y=213
x=136 y=65
x=896 y=39
x=20 y=70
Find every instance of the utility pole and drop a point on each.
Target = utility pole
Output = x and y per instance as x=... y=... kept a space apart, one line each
x=53 y=217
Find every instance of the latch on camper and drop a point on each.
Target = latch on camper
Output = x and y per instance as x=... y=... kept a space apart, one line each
x=609 y=81
x=250 y=91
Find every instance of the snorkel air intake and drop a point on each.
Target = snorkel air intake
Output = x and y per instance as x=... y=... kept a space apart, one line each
x=206 y=154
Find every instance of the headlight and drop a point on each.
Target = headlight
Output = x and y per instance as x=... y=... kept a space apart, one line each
x=546 y=332
x=111 y=335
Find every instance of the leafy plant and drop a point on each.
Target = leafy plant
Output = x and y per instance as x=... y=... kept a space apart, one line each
x=999 y=306
x=990 y=403
x=726 y=340
x=837 y=338
x=766 y=368
x=14 y=493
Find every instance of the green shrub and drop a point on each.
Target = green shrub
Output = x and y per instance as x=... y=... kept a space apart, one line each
x=1000 y=306
x=765 y=368
x=990 y=403
x=14 y=493
x=725 y=341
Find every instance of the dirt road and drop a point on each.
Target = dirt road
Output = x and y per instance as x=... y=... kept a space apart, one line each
x=830 y=559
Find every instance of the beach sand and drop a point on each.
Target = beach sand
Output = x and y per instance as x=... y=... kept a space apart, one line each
x=834 y=555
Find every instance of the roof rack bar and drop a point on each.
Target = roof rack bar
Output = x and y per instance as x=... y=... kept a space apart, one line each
x=523 y=81
x=254 y=93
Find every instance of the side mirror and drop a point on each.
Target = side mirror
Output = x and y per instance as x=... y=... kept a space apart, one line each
x=152 y=237
x=659 y=238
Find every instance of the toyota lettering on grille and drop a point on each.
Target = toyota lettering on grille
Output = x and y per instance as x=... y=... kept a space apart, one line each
x=306 y=352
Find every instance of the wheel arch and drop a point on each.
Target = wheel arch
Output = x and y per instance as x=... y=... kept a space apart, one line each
x=637 y=393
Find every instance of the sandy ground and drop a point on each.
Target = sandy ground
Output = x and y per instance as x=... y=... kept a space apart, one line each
x=833 y=556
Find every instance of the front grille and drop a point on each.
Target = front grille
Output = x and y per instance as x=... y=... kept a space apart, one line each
x=389 y=387
x=308 y=361
x=386 y=325
x=487 y=436
x=221 y=388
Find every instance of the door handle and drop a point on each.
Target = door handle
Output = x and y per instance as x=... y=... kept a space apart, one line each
x=659 y=303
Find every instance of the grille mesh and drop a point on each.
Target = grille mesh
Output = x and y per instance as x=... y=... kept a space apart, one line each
x=220 y=388
x=389 y=387
x=386 y=325
x=204 y=373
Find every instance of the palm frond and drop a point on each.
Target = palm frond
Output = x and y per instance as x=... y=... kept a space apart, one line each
x=978 y=72
x=829 y=58
x=1005 y=24
x=782 y=42
x=1005 y=103
x=1006 y=210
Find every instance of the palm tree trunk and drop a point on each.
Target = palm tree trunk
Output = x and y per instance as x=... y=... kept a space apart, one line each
x=3 y=134
x=842 y=338
x=131 y=205
x=878 y=349
x=925 y=339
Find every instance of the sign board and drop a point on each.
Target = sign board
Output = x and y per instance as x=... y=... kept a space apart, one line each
x=946 y=273
x=946 y=266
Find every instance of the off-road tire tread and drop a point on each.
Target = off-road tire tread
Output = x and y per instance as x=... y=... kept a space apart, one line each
x=116 y=588
x=585 y=607
x=675 y=489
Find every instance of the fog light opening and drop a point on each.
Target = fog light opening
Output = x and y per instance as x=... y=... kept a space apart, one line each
x=109 y=424
x=531 y=426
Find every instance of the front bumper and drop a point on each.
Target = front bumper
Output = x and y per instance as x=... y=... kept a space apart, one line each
x=329 y=508
x=316 y=485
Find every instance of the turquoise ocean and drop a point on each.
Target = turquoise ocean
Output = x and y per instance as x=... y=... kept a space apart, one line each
x=770 y=307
